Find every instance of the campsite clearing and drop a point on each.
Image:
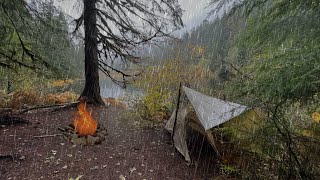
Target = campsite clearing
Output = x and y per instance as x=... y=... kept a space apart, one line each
x=129 y=151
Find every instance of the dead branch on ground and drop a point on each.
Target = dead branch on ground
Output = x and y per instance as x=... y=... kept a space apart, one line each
x=53 y=107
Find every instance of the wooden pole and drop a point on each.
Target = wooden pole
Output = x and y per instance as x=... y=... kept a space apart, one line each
x=177 y=109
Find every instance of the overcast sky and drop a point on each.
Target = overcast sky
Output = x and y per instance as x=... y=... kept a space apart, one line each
x=194 y=10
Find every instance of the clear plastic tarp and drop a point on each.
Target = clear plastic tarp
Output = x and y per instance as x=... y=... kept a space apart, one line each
x=210 y=111
x=180 y=135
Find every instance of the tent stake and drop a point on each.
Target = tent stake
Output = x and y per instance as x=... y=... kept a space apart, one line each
x=175 y=118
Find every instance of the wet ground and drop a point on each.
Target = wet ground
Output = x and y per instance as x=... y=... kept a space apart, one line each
x=129 y=151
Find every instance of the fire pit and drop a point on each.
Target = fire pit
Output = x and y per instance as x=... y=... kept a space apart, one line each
x=85 y=130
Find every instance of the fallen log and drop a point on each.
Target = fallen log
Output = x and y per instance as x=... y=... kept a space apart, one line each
x=52 y=107
x=6 y=110
x=12 y=120
x=13 y=157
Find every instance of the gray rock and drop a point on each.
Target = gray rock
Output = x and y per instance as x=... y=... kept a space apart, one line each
x=79 y=141
x=91 y=140
x=104 y=132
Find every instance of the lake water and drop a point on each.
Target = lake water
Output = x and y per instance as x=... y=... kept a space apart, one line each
x=110 y=89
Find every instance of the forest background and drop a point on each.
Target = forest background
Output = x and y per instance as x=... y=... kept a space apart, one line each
x=264 y=54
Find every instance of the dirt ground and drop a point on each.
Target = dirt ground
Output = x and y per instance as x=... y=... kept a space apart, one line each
x=129 y=151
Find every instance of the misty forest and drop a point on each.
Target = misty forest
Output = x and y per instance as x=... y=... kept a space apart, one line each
x=159 y=89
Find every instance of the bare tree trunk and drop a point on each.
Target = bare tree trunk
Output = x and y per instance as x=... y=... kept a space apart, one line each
x=92 y=88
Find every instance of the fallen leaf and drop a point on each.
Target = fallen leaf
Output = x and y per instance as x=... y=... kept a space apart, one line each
x=54 y=152
x=95 y=167
x=132 y=169
x=69 y=155
x=316 y=117
x=22 y=157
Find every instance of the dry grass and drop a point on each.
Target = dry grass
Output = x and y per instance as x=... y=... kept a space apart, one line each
x=61 y=83
x=60 y=98
x=21 y=99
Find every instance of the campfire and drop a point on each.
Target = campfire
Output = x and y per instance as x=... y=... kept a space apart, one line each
x=85 y=130
x=83 y=122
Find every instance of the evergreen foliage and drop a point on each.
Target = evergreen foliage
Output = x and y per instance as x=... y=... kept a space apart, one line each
x=35 y=45
x=265 y=54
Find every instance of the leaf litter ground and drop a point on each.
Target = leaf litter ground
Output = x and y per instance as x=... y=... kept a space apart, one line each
x=37 y=151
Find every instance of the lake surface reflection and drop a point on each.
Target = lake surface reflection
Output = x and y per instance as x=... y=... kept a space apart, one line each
x=110 y=89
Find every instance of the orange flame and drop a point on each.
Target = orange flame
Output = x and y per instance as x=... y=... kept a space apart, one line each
x=83 y=122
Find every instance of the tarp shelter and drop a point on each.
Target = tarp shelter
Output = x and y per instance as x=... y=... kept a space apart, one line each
x=210 y=111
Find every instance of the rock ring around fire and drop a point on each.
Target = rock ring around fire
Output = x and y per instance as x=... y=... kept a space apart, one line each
x=70 y=134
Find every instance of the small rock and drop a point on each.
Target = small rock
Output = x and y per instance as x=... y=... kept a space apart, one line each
x=122 y=177
x=79 y=141
x=98 y=139
x=99 y=134
x=104 y=132
x=91 y=140
x=65 y=167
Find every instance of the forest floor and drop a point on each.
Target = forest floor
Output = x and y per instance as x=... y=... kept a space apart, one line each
x=130 y=151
